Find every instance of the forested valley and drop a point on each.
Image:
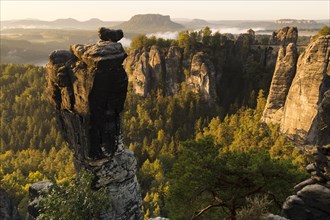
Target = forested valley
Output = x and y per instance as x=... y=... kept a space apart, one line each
x=194 y=157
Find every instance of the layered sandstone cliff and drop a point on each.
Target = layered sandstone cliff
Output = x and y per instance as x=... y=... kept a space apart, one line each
x=307 y=90
x=297 y=109
x=301 y=106
x=218 y=73
x=157 y=69
x=202 y=76
x=146 y=70
x=311 y=198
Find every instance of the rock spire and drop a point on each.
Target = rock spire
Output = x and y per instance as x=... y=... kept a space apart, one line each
x=87 y=86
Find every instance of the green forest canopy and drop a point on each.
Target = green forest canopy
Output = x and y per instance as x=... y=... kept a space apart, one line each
x=166 y=133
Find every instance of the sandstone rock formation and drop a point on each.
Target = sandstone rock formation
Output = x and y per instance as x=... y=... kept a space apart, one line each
x=285 y=36
x=36 y=192
x=173 y=70
x=218 y=72
x=156 y=62
x=8 y=210
x=297 y=109
x=138 y=71
x=149 y=70
x=307 y=90
x=283 y=75
x=312 y=197
x=153 y=69
x=202 y=76
x=304 y=116
x=322 y=131
x=87 y=85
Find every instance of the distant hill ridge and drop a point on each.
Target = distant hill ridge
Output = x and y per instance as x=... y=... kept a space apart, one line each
x=150 y=23
x=146 y=23
x=294 y=21
x=58 y=23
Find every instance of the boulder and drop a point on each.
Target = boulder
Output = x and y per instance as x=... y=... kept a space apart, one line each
x=312 y=196
x=36 y=192
x=312 y=202
x=274 y=217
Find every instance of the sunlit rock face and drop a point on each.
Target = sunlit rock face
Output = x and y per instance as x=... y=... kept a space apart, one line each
x=307 y=91
x=284 y=72
x=154 y=69
x=299 y=101
x=202 y=76
x=284 y=36
x=221 y=73
x=298 y=104
x=87 y=86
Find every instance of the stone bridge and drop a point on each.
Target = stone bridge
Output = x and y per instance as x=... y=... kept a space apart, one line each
x=275 y=46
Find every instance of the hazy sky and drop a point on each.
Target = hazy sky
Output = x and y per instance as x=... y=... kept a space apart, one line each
x=123 y=10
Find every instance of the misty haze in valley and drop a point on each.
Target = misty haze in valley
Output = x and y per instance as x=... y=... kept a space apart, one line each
x=31 y=41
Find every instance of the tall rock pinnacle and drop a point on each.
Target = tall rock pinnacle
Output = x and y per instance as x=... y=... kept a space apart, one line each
x=298 y=99
x=307 y=90
x=87 y=85
x=283 y=75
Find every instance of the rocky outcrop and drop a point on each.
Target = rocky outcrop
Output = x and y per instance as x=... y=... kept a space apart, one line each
x=298 y=105
x=306 y=119
x=156 y=62
x=307 y=91
x=312 y=197
x=229 y=68
x=202 y=76
x=150 y=70
x=284 y=36
x=8 y=210
x=283 y=75
x=322 y=131
x=139 y=70
x=274 y=217
x=36 y=192
x=146 y=69
x=118 y=174
x=87 y=85
x=173 y=69
x=163 y=69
